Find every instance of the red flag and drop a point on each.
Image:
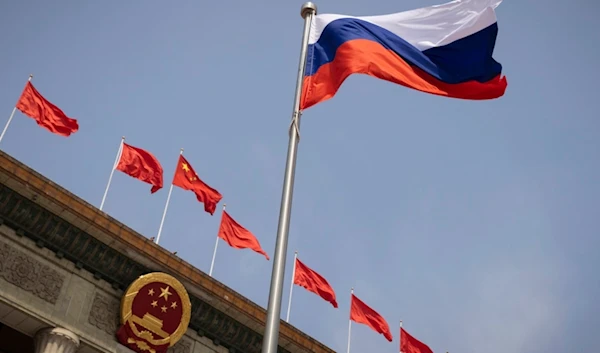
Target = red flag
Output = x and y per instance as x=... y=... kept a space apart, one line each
x=141 y=165
x=314 y=282
x=187 y=179
x=409 y=344
x=46 y=114
x=237 y=236
x=361 y=313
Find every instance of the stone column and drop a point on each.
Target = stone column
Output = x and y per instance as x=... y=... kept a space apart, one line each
x=55 y=340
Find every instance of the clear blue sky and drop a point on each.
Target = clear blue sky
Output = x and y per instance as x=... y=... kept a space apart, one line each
x=474 y=222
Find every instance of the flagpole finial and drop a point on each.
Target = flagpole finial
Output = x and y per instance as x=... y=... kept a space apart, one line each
x=296 y=252
x=181 y=149
x=308 y=8
x=123 y=138
x=30 y=77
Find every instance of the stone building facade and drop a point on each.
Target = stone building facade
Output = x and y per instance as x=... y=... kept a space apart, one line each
x=64 y=267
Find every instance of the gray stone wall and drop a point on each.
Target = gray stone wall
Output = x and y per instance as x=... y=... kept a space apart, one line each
x=53 y=291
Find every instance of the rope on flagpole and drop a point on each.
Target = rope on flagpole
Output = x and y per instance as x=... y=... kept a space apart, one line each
x=112 y=171
x=212 y=263
x=295 y=124
x=162 y=221
x=287 y=319
x=11 y=115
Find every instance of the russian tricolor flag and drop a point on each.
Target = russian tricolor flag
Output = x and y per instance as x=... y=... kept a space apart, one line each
x=444 y=50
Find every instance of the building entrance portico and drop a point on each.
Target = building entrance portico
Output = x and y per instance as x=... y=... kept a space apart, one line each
x=22 y=333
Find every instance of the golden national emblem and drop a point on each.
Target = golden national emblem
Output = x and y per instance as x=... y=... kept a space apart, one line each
x=155 y=313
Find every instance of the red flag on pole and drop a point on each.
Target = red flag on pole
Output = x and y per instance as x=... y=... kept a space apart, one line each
x=186 y=178
x=314 y=282
x=363 y=314
x=46 y=114
x=409 y=344
x=237 y=236
x=141 y=165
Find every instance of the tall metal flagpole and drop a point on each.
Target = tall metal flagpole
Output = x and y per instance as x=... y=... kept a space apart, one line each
x=162 y=221
x=350 y=321
x=271 y=336
x=11 y=116
x=287 y=318
x=112 y=171
x=212 y=263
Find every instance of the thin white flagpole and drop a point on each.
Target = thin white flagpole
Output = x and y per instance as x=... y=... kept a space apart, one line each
x=400 y=339
x=271 y=335
x=162 y=221
x=11 y=116
x=287 y=319
x=350 y=320
x=212 y=263
x=112 y=171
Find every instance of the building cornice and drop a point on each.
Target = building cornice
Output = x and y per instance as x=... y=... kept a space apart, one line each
x=74 y=229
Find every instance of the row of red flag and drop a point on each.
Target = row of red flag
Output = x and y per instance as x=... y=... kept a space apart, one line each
x=360 y=312
x=144 y=166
